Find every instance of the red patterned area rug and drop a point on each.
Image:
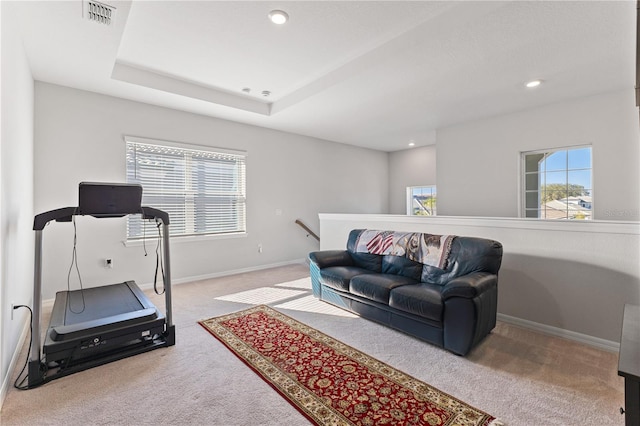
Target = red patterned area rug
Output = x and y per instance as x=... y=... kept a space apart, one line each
x=332 y=383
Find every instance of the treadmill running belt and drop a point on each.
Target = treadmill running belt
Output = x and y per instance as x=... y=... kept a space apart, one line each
x=100 y=302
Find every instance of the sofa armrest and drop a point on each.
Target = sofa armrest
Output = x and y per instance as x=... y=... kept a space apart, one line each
x=327 y=258
x=469 y=286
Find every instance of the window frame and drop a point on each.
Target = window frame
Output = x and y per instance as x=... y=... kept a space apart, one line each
x=409 y=199
x=190 y=233
x=523 y=209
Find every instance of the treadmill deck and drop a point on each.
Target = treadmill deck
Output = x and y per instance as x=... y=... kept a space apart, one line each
x=85 y=323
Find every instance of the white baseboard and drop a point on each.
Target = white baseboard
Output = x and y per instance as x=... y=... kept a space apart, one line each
x=14 y=362
x=607 y=345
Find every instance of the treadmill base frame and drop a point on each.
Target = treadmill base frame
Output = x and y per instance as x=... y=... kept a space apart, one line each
x=40 y=373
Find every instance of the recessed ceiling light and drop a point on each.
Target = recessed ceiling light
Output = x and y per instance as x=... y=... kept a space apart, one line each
x=278 y=17
x=266 y=93
x=246 y=90
x=533 y=83
x=412 y=143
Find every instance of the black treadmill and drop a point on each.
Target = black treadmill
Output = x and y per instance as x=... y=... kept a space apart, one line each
x=94 y=326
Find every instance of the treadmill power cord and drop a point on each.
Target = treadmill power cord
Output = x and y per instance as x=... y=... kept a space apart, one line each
x=20 y=384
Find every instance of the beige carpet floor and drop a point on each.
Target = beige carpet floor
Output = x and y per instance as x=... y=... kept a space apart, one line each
x=519 y=376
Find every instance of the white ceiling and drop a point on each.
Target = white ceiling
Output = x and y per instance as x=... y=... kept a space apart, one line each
x=371 y=74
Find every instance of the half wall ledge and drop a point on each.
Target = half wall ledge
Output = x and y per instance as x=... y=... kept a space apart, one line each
x=561 y=249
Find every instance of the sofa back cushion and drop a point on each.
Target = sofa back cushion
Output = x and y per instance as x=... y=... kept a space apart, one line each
x=400 y=265
x=372 y=262
x=467 y=255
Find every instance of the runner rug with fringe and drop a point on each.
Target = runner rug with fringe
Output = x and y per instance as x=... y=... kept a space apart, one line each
x=332 y=383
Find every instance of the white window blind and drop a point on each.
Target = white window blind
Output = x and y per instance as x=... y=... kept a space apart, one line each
x=203 y=191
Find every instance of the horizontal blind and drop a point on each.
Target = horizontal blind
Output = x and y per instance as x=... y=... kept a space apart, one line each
x=202 y=191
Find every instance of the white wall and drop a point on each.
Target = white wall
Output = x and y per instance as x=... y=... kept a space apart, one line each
x=79 y=137
x=571 y=278
x=16 y=191
x=478 y=162
x=409 y=167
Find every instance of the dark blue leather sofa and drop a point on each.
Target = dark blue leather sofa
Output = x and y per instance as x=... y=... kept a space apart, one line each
x=453 y=306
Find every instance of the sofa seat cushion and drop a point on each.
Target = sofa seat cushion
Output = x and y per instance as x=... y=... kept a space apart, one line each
x=338 y=277
x=377 y=287
x=423 y=300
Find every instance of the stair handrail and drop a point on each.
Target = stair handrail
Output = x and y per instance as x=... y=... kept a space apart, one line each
x=306 y=228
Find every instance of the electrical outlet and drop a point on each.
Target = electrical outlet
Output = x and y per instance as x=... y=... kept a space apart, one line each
x=259 y=248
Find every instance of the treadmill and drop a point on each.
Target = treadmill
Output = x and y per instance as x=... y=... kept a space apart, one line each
x=94 y=326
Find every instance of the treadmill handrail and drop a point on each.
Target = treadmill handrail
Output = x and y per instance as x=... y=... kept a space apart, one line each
x=152 y=213
x=60 y=215
x=65 y=214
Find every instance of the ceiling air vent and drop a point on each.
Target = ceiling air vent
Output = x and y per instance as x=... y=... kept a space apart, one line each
x=98 y=12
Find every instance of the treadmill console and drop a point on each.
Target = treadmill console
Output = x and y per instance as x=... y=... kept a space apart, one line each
x=109 y=199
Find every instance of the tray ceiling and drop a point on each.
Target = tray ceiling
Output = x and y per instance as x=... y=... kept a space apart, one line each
x=371 y=74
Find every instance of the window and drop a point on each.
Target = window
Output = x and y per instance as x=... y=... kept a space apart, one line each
x=421 y=200
x=558 y=184
x=202 y=190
